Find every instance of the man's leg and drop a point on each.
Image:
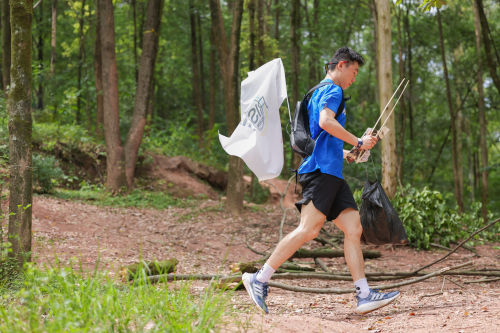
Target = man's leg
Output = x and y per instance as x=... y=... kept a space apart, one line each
x=311 y=222
x=368 y=300
x=350 y=223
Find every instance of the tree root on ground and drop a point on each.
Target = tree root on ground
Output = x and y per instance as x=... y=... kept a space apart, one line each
x=329 y=253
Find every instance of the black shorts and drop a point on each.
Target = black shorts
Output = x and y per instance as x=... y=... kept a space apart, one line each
x=330 y=195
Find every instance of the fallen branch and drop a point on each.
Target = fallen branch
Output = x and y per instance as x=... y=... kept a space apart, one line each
x=311 y=275
x=282 y=195
x=458 y=284
x=458 y=246
x=381 y=287
x=329 y=253
x=481 y=281
x=321 y=264
x=436 y=294
x=468 y=248
x=251 y=248
x=440 y=247
x=325 y=241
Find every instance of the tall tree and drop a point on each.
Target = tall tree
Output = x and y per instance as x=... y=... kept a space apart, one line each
x=482 y=116
x=410 y=70
x=251 y=24
x=456 y=176
x=196 y=76
x=114 y=150
x=80 y=61
x=40 y=28
x=384 y=52
x=260 y=43
x=487 y=44
x=402 y=117
x=211 y=112
x=294 y=41
x=134 y=19
x=146 y=70
x=20 y=132
x=228 y=55
x=6 y=46
x=98 y=77
x=313 y=43
x=53 y=52
x=277 y=20
x=202 y=67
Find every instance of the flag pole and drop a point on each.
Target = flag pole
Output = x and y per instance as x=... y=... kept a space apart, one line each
x=288 y=104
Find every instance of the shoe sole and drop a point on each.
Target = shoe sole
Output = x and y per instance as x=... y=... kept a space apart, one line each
x=372 y=306
x=249 y=289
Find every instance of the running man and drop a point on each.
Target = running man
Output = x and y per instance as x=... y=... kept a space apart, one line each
x=326 y=194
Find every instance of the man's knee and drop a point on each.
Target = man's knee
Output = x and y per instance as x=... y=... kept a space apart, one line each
x=309 y=232
x=354 y=229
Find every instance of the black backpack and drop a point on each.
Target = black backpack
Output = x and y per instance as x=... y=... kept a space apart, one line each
x=300 y=137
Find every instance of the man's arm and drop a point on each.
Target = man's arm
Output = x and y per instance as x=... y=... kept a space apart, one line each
x=328 y=122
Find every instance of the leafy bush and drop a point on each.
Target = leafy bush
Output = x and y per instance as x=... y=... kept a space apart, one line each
x=46 y=173
x=427 y=219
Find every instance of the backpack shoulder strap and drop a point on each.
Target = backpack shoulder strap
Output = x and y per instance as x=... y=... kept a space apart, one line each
x=341 y=105
x=322 y=84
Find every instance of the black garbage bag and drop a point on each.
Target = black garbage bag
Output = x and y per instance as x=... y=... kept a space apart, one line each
x=381 y=224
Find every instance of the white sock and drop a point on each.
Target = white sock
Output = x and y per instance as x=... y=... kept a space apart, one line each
x=362 y=288
x=265 y=273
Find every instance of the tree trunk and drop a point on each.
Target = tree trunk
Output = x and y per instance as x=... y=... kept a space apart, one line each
x=228 y=55
x=456 y=176
x=482 y=116
x=20 y=132
x=260 y=43
x=202 y=71
x=80 y=64
x=146 y=69
x=6 y=45
x=487 y=44
x=53 y=53
x=115 y=158
x=196 y=77
x=294 y=42
x=389 y=156
x=402 y=127
x=373 y=10
x=410 y=71
x=316 y=40
x=211 y=114
x=134 y=17
x=251 y=23
x=40 y=28
x=150 y=107
x=98 y=78
x=277 y=21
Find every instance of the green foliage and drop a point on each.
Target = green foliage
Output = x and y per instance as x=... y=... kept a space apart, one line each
x=138 y=198
x=46 y=173
x=67 y=300
x=428 y=219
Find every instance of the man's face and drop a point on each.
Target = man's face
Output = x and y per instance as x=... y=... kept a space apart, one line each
x=348 y=73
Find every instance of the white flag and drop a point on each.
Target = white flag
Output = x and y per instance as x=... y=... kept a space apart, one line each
x=257 y=139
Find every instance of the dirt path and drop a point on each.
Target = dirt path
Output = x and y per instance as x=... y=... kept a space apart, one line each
x=201 y=237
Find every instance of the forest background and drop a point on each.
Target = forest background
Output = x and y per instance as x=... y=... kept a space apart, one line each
x=187 y=108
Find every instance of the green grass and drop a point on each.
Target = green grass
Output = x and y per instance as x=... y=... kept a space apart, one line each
x=135 y=198
x=68 y=300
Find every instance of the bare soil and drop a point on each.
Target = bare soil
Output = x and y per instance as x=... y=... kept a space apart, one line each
x=206 y=239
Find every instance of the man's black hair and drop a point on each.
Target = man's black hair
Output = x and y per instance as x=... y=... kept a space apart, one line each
x=346 y=54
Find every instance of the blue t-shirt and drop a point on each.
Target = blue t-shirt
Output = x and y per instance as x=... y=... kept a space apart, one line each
x=328 y=155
